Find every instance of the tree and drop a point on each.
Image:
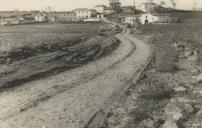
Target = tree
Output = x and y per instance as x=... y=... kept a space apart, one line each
x=173 y=2
x=162 y=3
x=116 y=7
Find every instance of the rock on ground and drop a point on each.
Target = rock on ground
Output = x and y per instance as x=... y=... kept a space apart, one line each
x=173 y=111
x=170 y=124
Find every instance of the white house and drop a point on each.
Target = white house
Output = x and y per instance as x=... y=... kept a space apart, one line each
x=148 y=18
x=108 y=11
x=83 y=13
x=40 y=18
x=10 y=21
x=100 y=8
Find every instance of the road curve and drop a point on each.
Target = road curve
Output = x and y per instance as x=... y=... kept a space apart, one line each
x=70 y=99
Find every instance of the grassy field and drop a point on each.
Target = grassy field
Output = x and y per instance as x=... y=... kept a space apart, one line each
x=30 y=52
x=13 y=37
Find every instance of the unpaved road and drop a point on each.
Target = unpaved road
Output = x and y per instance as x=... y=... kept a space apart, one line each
x=70 y=99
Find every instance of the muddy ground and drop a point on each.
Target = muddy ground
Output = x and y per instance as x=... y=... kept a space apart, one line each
x=28 y=62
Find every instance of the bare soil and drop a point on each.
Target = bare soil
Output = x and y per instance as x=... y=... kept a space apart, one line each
x=71 y=98
x=28 y=63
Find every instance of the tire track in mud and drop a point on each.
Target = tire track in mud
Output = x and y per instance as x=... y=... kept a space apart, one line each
x=97 y=120
x=72 y=59
x=64 y=88
x=73 y=108
x=60 y=89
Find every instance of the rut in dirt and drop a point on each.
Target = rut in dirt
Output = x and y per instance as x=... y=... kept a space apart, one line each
x=74 y=57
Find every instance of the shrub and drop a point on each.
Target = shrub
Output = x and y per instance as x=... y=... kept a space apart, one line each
x=167 y=62
x=157 y=91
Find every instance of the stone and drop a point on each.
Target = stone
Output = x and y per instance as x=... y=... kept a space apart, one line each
x=196 y=125
x=189 y=108
x=169 y=123
x=199 y=78
x=149 y=123
x=197 y=92
x=195 y=71
x=173 y=111
x=180 y=100
x=180 y=89
x=188 y=53
x=199 y=114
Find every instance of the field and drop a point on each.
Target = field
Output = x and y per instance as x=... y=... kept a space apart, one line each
x=169 y=85
x=29 y=52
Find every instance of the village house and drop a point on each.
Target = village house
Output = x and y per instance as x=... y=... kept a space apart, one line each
x=100 y=8
x=7 y=21
x=83 y=13
x=63 y=16
x=132 y=20
x=162 y=17
x=10 y=21
x=148 y=18
x=66 y=16
x=148 y=7
x=41 y=17
x=52 y=19
x=108 y=11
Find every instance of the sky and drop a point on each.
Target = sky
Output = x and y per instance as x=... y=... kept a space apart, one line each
x=72 y=4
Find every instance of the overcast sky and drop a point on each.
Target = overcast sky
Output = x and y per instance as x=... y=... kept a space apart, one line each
x=71 y=4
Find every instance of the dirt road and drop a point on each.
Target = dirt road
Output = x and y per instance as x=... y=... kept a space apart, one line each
x=70 y=99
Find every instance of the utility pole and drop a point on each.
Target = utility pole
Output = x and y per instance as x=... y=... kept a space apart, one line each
x=134 y=12
x=134 y=9
x=194 y=6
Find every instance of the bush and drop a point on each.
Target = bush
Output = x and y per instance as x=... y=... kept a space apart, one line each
x=157 y=91
x=168 y=67
x=167 y=62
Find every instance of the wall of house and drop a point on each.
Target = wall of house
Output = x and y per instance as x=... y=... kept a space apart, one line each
x=63 y=17
x=40 y=18
x=99 y=9
x=130 y=20
x=149 y=18
x=85 y=14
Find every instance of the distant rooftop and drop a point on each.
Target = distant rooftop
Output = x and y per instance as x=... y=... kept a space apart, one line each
x=82 y=9
x=150 y=3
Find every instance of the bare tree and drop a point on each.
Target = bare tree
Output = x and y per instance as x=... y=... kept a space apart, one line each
x=116 y=7
x=173 y=2
x=194 y=6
